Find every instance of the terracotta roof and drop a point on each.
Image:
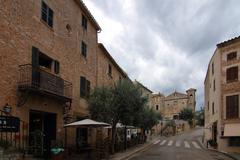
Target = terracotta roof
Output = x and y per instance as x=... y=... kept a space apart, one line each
x=158 y=95
x=225 y=43
x=88 y=14
x=101 y=46
x=191 y=89
x=177 y=94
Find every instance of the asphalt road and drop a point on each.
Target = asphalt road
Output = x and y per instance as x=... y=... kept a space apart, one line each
x=180 y=147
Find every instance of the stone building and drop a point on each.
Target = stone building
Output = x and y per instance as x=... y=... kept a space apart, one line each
x=171 y=105
x=145 y=91
x=108 y=71
x=48 y=58
x=222 y=91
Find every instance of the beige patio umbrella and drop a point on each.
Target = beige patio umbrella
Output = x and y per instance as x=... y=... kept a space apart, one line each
x=87 y=123
x=84 y=123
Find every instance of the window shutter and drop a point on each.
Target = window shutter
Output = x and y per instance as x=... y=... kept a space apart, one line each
x=232 y=74
x=88 y=88
x=35 y=57
x=56 y=67
x=85 y=50
x=232 y=56
x=82 y=49
x=35 y=65
x=50 y=17
x=232 y=105
x=82 y=86
x=83 y=23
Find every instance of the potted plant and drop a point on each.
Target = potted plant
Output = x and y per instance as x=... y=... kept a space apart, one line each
x=212 y=143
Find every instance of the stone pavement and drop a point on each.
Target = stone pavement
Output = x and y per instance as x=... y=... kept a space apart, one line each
x=132 y=151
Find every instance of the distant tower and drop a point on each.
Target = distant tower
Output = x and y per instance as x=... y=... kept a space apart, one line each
x=191 y=98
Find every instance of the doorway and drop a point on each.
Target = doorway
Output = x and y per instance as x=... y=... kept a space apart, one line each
x=42 y=132
x=214 y=131
x=81 y=136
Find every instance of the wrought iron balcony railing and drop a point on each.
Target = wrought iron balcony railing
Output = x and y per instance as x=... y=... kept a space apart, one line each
x=39 y=80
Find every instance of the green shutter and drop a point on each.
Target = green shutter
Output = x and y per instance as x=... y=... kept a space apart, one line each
x=35 y=65
x=82 y=86
x=88 y=88
x=35 y=57
x=56 y=67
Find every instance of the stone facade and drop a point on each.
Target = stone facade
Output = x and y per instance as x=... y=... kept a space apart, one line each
x=221 y=122
x=21 y=30
x=171 y=105
x=145 y=91
x=108 y=71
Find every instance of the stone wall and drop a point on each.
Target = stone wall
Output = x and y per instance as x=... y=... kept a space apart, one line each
x=21 y=28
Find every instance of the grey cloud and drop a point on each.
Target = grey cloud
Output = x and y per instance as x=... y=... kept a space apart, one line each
x=191 y=29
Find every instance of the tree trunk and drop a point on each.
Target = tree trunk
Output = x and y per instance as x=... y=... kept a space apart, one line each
x=113 y=138
x=125 y=137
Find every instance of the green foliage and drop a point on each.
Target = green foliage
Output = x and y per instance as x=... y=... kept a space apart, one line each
x=186 y=114
x=120 y=103
x=4 y=144
x=148 y=118
x=100 y=104
x=212 y=143
x=199 y=115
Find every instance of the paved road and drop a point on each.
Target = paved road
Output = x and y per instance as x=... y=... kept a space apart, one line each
x=181 y=147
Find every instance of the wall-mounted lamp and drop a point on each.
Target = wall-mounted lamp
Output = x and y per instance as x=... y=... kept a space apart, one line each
x=7 y=108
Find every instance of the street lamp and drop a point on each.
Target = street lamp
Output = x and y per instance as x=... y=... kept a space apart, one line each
x=7 y=108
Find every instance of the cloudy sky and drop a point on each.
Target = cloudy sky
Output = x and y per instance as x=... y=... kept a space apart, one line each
x=166 y=44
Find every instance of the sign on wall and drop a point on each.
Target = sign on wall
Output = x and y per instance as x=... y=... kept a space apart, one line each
x=9 y=124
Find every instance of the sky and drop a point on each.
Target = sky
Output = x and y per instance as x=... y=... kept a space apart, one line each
x=166 y=44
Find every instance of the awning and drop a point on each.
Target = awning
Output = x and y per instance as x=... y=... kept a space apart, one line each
x=232 y=130
x=87 y=123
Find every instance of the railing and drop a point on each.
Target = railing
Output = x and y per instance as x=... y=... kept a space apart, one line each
x=37 y=79
x=13 y=132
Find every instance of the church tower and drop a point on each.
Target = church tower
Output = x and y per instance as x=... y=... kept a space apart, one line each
x=191 y=103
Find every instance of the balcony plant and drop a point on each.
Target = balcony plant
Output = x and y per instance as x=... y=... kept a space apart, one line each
x=4 y=144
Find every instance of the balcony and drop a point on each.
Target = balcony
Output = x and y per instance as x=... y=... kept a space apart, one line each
x=43 y=82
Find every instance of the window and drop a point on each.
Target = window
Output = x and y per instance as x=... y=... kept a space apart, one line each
x=84 y=22
x=84 y=49
x=213 y=108
x=41 y=60
x=84 y=87
x=47 y=14
x=234 y=141
x=214 y=85
x=175 y=102
x=208 y=105
x=232 y=56
x=232 y=106
x=109 y=70
x=232 y=74
x=212 y=68
x=156 y=107
x=56 y=67
x=44 y=61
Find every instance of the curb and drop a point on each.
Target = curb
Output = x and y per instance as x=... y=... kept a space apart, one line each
x=144 y=148
x=215 y=150
x=141 y=149
x=225 y=153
